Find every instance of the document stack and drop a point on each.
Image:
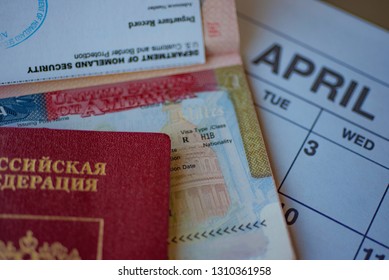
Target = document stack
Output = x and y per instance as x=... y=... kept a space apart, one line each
x=142 y=130
x=142 y=73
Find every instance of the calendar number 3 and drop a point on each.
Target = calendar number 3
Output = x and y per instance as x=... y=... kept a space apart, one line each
x=313 y=145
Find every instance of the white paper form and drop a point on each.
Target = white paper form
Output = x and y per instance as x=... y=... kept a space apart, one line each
x=321 y=83
x=43 y=40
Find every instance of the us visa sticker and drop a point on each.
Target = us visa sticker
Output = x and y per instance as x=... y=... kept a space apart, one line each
x=49 y=40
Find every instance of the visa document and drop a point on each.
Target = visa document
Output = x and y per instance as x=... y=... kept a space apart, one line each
x=320 y=83
x=44 y=40
x=223 y=201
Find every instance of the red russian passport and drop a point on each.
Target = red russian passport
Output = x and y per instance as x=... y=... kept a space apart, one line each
x=83 y=194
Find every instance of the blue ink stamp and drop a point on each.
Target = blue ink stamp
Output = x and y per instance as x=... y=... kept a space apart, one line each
x=20 y=19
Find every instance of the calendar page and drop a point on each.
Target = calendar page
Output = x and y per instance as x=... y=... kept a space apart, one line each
x=320 y=78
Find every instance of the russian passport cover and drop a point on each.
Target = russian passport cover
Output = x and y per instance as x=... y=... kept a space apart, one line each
x=68 y=194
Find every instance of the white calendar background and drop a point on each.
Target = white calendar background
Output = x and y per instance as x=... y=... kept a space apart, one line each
x=320 y=80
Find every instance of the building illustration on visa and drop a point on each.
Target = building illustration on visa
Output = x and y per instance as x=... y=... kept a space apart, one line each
x=198 y=190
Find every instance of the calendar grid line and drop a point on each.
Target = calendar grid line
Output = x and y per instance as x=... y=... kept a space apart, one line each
x=348 y=149
x=371 y=222
x=332 y=219
x=259 y=78
x=379 y=243
x=311 y=131
x=320 y=135
x=280 y=116
x=298 y=153
x=313 y=104
x=320 y=213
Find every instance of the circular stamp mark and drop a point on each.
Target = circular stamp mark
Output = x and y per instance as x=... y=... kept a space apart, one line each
x=21 y=19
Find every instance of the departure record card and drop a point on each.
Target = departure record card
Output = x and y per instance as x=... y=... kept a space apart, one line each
x=320 y=80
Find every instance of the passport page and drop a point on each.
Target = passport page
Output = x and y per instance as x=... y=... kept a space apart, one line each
x=223 y=203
